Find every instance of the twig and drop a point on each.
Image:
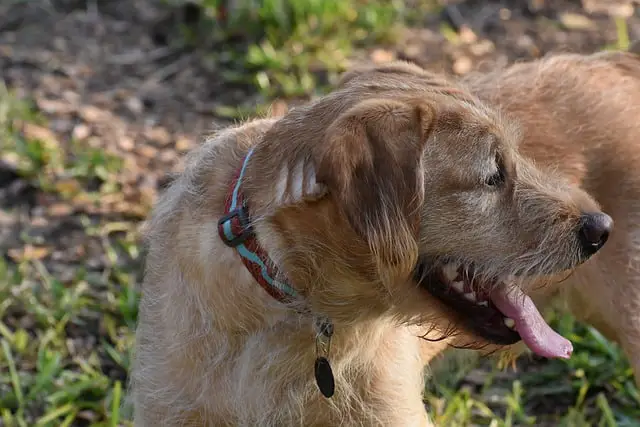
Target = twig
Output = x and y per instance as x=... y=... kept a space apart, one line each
x=455 y=17
x=166 y=72
x=139 y=56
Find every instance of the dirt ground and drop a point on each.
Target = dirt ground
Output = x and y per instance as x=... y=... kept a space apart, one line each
x=108 y=75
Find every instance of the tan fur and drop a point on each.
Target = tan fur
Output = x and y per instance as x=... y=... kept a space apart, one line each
x=345 y=194
x=579 y=116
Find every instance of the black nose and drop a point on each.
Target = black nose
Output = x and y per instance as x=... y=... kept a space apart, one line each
x=594 y=231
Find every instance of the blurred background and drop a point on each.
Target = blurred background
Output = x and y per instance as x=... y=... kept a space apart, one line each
x=99 y=99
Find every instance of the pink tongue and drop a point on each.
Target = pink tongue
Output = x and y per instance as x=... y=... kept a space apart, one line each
x=533 y=330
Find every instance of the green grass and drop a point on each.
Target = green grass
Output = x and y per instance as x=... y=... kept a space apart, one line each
x=292 y=49
x=594 y=388
x=65 y=343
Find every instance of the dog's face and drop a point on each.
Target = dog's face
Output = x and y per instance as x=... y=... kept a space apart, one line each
x=431 y=212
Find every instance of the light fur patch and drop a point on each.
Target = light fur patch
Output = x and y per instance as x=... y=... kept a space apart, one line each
x=297 y=184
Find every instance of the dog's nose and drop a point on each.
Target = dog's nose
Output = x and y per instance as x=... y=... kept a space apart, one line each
x=594 y=231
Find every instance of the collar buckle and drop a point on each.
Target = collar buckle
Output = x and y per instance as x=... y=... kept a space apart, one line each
x=234 y=227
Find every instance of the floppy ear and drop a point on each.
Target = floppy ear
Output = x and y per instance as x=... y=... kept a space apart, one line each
x=372 y=165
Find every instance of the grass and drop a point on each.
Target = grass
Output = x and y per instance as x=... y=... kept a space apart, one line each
x=291 y=49
x=64 y=343
x=594 y=388
x=66 y=336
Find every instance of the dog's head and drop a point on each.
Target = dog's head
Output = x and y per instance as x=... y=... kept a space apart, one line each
x=419 y=205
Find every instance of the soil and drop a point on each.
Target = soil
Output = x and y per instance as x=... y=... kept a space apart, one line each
x=109 y=75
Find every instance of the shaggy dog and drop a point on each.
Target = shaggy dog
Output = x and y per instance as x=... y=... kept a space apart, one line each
x=298 y=266
x=579 y=118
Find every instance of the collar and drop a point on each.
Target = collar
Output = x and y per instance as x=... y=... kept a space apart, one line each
x=236 y=231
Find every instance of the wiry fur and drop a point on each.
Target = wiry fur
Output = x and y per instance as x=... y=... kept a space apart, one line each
x=346 y=195
x=579 y=117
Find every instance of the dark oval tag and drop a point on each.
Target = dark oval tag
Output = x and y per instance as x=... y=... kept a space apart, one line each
x=324 y=377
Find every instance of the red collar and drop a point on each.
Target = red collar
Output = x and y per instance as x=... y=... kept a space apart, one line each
x=236 y=231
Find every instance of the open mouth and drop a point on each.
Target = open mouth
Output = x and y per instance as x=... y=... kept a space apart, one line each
x=496 y=310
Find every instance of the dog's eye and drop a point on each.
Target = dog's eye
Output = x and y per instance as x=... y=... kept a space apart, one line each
x=495 y=180
x=498 y=177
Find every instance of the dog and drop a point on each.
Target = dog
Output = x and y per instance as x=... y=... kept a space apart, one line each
x=578 y=116
x=302 y=268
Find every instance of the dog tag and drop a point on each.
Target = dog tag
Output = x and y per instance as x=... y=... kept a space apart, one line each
x=324 y=377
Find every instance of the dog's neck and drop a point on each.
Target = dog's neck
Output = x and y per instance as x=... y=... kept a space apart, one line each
x=236 y=231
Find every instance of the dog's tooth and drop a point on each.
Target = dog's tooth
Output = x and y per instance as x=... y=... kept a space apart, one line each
x=471 y=296
x=450 y=271
x=458 y=286
x=484 y=303
x=509 y=323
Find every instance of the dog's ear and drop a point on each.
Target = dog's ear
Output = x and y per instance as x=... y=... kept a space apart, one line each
x=371 y=163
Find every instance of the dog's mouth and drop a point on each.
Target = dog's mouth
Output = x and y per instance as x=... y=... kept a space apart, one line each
x=496 y=310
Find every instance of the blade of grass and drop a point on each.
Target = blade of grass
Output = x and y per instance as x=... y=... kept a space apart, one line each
x=55 y=414
x=622 y=33
x=15 y=379
x=115 y=404
x=68 y=421
x=608 y=419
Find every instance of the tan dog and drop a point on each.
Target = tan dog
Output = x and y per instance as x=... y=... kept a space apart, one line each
x=329 y=238
x=580 y=118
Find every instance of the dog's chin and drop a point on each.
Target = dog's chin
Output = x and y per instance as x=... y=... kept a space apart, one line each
x=468 y=297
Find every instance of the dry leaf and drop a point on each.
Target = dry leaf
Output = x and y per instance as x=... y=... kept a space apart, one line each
x=29 y=253
x=32 y=131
